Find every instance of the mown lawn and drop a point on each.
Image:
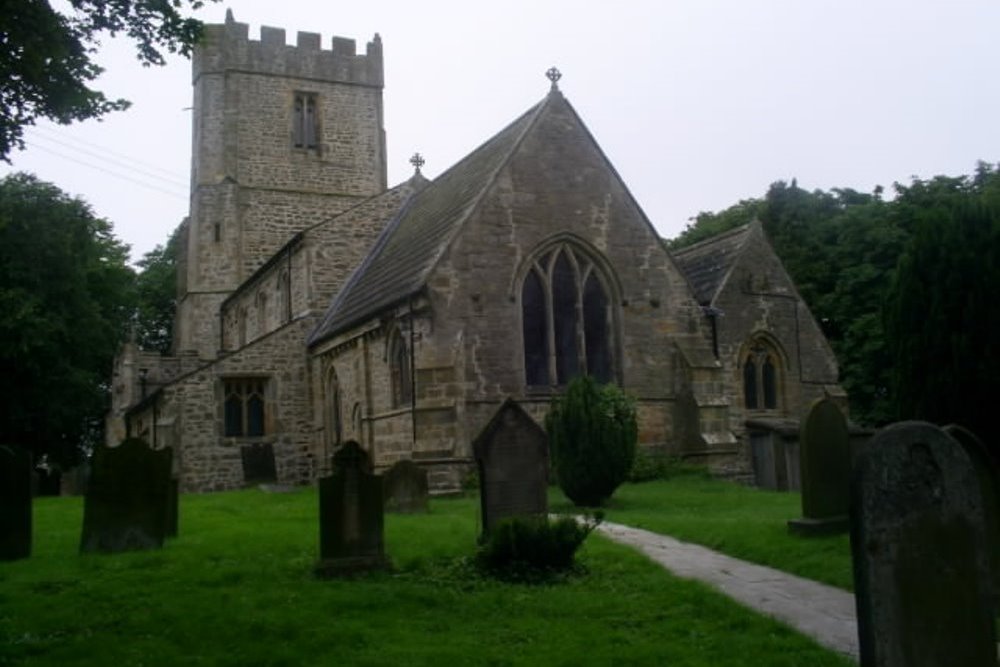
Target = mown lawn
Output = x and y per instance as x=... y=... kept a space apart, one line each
x=235 y=588
x=744 y=522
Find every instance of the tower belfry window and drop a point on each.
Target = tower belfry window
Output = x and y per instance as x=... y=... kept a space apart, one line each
x=305 y=121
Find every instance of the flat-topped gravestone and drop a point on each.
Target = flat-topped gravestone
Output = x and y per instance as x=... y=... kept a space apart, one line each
x=258 y=463
x=405 y=487
x=824 y=471
x=350 y=515
x=988 y=472
x=917 y=544
x=15 y=502
x=128 y=500
x=512 y=453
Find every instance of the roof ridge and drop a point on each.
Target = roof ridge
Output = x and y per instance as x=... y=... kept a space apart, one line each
x=714 y=238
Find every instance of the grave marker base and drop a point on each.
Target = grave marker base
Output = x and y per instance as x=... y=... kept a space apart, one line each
x=814 y=527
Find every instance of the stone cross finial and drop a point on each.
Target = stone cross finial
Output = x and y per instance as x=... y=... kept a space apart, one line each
x=553 y=75
x=417 y=161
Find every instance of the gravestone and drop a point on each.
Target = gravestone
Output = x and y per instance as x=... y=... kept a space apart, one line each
x=15 y=502
x=824 y=471
x=988 y=472
x=350 y=515
x=128 y=499
x=512 y=453
x=405 y=487
x=917 y=545
x=258 y=463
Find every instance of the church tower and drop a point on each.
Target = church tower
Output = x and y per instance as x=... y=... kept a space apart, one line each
x=284 y=137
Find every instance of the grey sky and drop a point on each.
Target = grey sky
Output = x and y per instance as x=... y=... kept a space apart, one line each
x=697 y=103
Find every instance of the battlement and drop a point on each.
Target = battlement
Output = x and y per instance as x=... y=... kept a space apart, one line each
x=227 y=47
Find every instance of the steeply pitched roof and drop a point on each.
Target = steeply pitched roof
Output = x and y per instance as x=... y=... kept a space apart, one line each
x=411 y=244
x=707 y=264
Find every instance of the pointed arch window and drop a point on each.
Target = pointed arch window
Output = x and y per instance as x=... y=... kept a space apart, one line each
x=761 y=377
x=565 y=319
x=399 y=369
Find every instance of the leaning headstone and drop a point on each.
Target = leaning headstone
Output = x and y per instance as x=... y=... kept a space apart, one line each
x=512 y=453
x=350 y=515
x=917 y=544
x=988 y=472
x=824 y=471
x=405 y=487
x=15 y=503
x=127 y=503
x=258 y=463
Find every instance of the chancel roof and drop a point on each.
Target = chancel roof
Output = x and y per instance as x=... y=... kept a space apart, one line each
x=707 y=264
x=402 y=258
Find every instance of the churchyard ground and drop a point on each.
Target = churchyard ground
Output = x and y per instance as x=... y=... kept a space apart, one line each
x=236 y=588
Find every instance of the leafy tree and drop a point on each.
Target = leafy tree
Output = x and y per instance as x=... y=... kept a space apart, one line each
x=156 y=292
x=66 y=293
x=593 y=434
x=941 y=314
x=45 y=56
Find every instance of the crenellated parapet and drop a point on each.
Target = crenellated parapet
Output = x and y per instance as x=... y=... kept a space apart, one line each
x=227 y=47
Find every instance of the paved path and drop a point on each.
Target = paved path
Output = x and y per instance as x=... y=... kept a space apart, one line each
x=823 y=612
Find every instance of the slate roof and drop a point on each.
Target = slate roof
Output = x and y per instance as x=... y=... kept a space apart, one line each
x=707 y=264
x=410 y=246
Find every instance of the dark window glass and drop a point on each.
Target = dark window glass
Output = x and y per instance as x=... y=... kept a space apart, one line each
x=750 y=384
x=255 y=415
x=564 y=319
x=536 y=340
x=402 y=388
x=305 y=124
x=768 y=376
x=234 y=415
x=595 y=330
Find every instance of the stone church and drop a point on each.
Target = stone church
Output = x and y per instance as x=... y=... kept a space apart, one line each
x=316 y=304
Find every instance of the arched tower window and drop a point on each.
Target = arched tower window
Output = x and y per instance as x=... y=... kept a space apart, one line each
x=565 y=319
x=761 y=376
x=399 y=370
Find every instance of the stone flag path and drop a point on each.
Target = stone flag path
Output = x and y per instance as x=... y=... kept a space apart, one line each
x=823 y=612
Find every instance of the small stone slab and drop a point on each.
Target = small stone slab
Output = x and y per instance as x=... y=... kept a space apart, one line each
x=824 y=471
x=988 y=472
x=15 y=502
x=351 y=516
x=258 y=463
x=512 y=453
x=128 y=501
x=405 y=487
x=920 y=568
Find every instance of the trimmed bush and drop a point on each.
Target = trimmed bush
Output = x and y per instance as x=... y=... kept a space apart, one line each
x=592 y=434
x=528 y=547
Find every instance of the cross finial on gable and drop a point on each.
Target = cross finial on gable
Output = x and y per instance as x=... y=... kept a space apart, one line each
x=417 y=161
x=553 y=75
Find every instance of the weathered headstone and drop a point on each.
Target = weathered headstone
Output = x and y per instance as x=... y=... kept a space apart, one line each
x=258 y=463
x=128 y=499
x=350 y=515
x=988 y=472
x=917 y=543
x=824 y=471
x=512 y=453
x=15 y=502
x=405 y=487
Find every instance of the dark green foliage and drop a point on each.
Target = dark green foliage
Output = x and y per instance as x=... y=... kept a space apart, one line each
x=943 y=315
x=66 y=294
x=592 y=434
x=156 y=291
x=530 y=547
x=654 y=464
x=46 y=56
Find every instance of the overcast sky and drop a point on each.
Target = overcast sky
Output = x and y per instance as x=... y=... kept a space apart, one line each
x=697 y=103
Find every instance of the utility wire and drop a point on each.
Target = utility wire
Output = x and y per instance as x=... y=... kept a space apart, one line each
x=104 y=158
x=174 y=193
x=61 y=138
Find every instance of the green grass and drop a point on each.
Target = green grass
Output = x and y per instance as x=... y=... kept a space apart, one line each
x=744 y=522
x=235 y=588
